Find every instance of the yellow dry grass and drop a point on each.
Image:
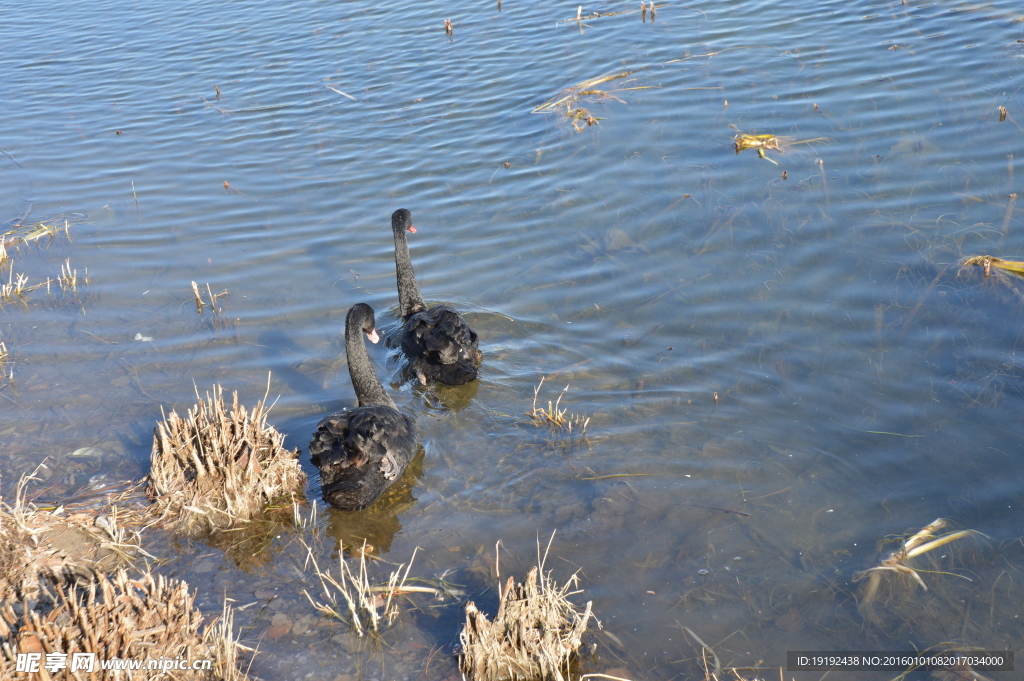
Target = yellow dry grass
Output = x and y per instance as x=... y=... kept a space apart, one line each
x=367 y=605
x=218 y=467
x=148 y=617
x=535 y=634
x=554 y=415
x=58 y=542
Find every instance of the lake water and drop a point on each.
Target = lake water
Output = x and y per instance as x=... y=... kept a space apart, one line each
x=781 y=359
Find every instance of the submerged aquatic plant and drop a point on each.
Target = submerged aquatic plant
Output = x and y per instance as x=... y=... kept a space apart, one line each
x=921 y=542
x=217 y=468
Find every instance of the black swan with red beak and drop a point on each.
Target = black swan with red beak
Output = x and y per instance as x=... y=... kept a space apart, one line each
x=363 y=450
x=437 y=340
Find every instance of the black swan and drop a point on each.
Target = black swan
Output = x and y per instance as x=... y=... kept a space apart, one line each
x=439 y=342
x=362 y=451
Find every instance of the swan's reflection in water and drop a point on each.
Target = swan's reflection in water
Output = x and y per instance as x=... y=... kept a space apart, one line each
x=453 y=398
x=379 y=523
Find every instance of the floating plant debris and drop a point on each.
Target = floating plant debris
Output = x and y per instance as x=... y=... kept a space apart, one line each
x=23 y=233
x=761 y=143
x=1009 y=274
x=987 y=262
x=585 y=91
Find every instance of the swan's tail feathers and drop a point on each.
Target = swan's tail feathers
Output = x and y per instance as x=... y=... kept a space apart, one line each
x=458 y=373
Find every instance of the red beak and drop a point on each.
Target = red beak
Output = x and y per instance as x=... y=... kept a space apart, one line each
x=373 y=336
x=410 y=228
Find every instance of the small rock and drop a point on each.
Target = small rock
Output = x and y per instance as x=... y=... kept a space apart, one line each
x=204 y=565
x=280 y=624
x=87 y=453
x=302 y=625
x=792 y=621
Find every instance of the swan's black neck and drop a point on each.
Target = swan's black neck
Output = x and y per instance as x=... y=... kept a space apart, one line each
x=368 y=389
x=409 y=297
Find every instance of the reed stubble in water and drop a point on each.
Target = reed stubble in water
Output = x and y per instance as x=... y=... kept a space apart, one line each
x=534 y=635
x=120 y=617
x=73 y=540
x=217 y=468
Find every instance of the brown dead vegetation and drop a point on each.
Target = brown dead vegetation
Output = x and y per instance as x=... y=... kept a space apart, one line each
x=149 y=617
x=72 y=540
x=534 y=636
x=218 y=467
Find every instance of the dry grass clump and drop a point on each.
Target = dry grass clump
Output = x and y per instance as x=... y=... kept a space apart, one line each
x=13 y=292
x=67 y=540
x=16 y=290
x=143 y=618
x=68 y=278
x=217 y=468
x=534 y=636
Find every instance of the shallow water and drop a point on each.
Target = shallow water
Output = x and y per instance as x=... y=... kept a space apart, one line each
x=782 y=364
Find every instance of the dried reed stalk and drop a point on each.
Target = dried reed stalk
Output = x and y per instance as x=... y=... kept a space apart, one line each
x=146 y=617
x=217 y=468
x=554 y=415
x=535 y=634
x=362 y=599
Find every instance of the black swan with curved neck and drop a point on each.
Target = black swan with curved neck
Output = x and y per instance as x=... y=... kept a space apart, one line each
x=438 y=341
x=363 y=450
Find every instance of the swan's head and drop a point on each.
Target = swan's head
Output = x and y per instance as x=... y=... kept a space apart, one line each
x=401 y=221
x=361 y=316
